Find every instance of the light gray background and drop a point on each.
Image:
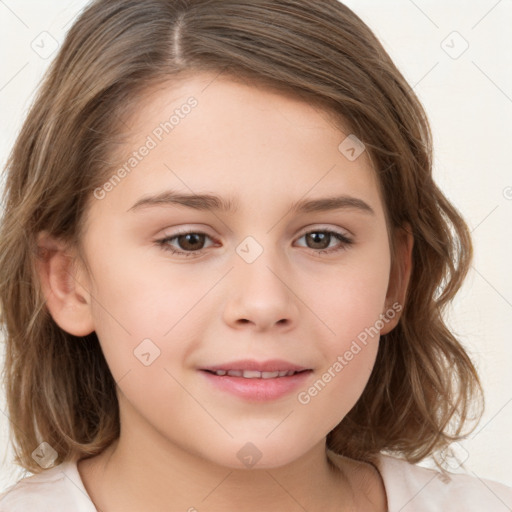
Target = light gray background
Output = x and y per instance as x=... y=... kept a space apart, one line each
x=468 y=97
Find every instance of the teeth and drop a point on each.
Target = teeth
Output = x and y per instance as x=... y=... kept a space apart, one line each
x=269 y=375
x=253 y=374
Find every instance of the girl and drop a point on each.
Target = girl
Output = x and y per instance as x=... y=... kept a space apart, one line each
x=224 y=264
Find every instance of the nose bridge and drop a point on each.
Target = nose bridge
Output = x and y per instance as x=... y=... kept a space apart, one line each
x=261 y=291
x=259 y=264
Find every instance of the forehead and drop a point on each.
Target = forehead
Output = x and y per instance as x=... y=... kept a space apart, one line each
x=258 y=92
x=213 y=133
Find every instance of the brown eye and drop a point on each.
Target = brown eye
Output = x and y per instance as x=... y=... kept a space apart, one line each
x=184 y=244
x=320 y=241
x=191 y=241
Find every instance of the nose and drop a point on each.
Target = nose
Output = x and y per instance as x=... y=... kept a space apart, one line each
x=261 y=295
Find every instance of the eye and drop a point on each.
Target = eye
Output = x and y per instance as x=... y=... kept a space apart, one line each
x=321 y=240
x=192 y=242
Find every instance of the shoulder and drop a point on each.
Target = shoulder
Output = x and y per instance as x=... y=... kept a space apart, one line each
x=58 y=489
x=414 y=488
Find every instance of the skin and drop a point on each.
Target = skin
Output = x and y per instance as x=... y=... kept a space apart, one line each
x=179 y=435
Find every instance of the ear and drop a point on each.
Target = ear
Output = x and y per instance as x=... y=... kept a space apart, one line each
x=399 y=276
x=63 y=281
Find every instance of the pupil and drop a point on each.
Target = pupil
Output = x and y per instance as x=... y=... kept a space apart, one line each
x=320 y=238
x=190 y=240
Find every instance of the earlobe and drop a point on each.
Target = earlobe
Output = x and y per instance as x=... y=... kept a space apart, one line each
x=399 y=277
x=63 y=283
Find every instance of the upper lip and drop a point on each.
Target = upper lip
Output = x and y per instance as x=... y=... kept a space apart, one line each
x=273 y=365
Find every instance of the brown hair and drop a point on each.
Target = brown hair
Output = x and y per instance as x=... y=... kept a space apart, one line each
x=59 y=387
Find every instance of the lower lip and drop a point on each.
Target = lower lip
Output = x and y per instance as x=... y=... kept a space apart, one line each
x=258 y=390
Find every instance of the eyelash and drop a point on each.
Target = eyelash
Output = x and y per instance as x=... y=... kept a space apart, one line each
x=164 y=242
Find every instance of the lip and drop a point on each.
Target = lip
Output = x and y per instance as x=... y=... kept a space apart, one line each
x=257 y=389
x=272 y=365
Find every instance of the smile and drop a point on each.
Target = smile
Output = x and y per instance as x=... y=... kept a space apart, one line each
x=254 y=374
x=257 y=381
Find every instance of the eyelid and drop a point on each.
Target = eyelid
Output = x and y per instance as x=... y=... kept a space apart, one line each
x=185 y=231
x=319 y=227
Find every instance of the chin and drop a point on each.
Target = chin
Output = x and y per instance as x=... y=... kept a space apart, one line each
x=260 y=453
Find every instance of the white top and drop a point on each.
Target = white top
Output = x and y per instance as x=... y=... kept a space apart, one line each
x=409 y=488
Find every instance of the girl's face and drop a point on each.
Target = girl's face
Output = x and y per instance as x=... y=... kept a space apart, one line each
x=285 y=268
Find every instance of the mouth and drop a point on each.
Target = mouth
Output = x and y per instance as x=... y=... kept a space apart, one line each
x=254 y=374
x=257 y=381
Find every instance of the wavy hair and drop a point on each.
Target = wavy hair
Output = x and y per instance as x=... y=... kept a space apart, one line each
x=59 y=388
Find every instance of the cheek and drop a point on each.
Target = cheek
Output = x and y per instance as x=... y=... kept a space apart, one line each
x=348 y=358
x=152 y=310
x=351 y=308
x=351 y=297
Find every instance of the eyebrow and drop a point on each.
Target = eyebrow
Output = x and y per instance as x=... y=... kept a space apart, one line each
x=211 y=202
